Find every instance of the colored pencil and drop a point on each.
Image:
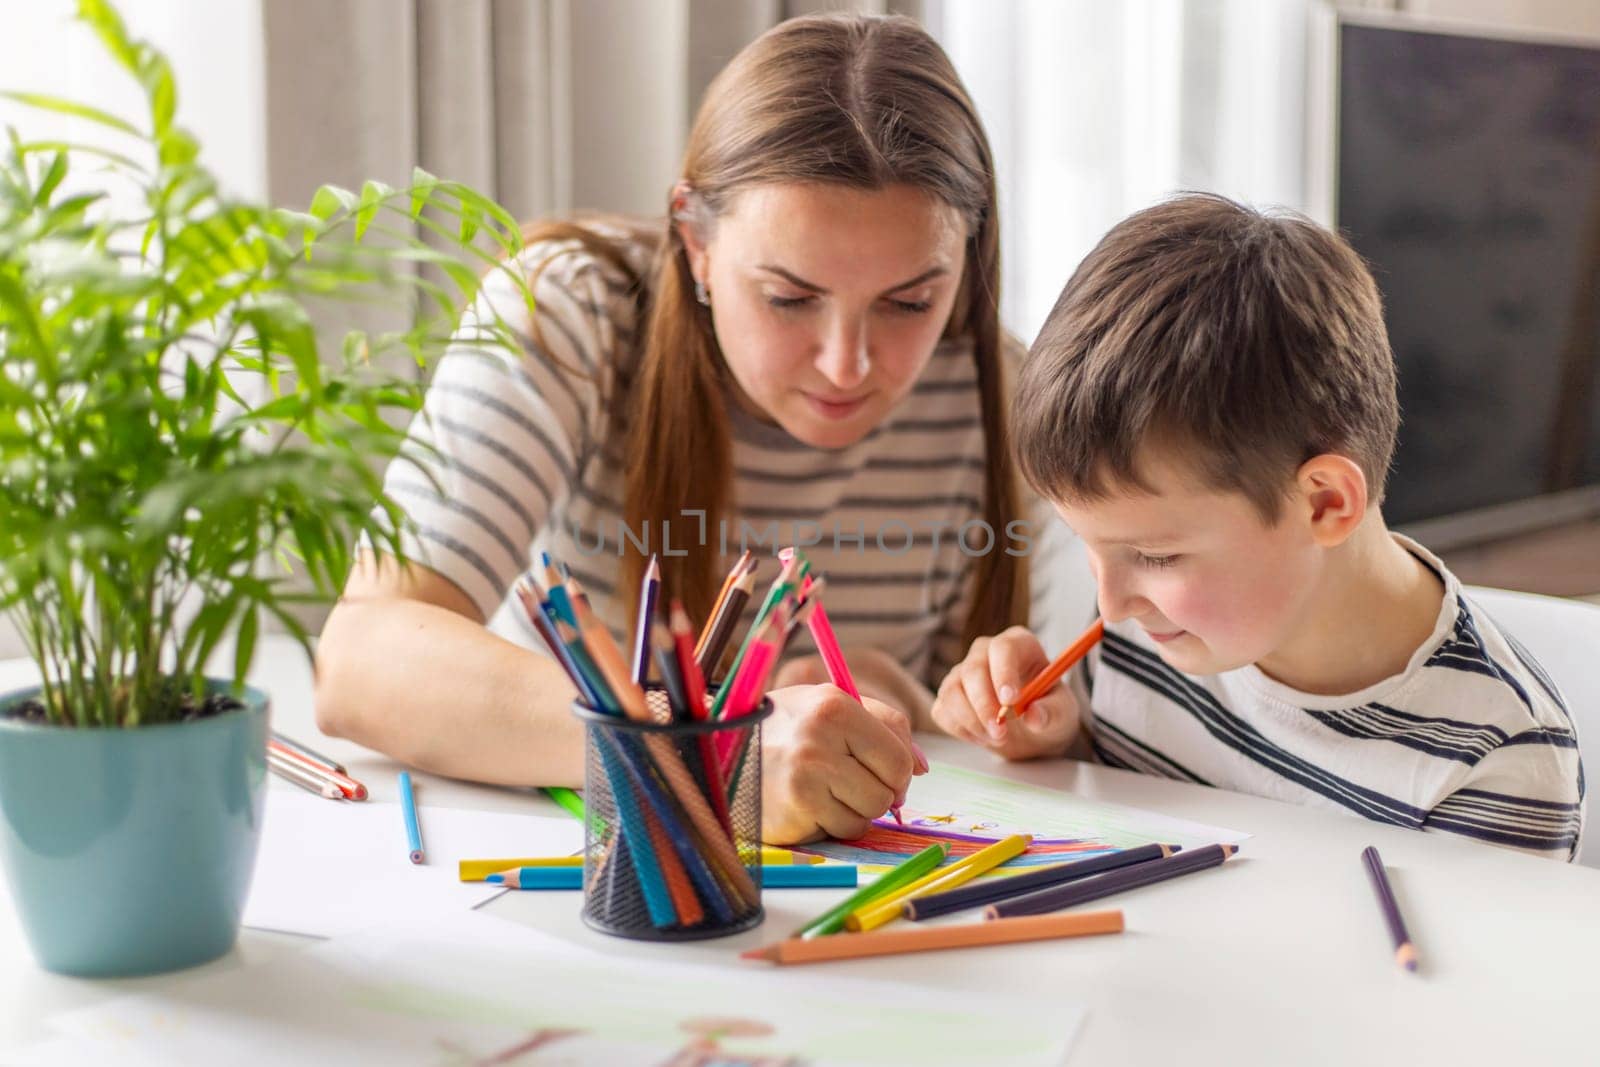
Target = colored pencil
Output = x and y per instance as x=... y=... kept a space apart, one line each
x=694 y=695
x=1046 y=679
x=291 y=770
x=560 y=602
x=989 y=891
x=694 y=682
x=309 y=753
x=833 y=659
x=548 y=625
x=1072 y=894
x=348 y=786
x=408 y=808
x=538 y=878
x=832 y=920
x=826 y=876
x=665 y=653
x=567 y=798
x=929 y=938
x=888 y=908
x=831 y=876
x=635 y=836
x=709 y=652
x=679 y=782
x=1405 y=953
x=735 y=572
x=476 y=870
x=649 y=590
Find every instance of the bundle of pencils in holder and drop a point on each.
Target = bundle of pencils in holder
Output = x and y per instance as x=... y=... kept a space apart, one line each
x=672 y=778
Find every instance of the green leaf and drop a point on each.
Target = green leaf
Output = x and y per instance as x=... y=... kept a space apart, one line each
x=68 y=107
x=471 y=219
x=52 y=178
x=330 y=200
x=372 y=197
x=245 y=649
x=422 y=186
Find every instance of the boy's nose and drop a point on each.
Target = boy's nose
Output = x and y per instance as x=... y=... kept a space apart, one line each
x=1116 y=600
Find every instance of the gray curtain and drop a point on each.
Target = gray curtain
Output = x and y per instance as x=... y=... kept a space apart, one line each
x=548 y=105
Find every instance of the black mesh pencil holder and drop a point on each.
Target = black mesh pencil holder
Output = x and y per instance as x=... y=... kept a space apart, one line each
x=672 y=838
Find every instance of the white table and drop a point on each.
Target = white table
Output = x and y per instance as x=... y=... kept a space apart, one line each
x=1277 y=957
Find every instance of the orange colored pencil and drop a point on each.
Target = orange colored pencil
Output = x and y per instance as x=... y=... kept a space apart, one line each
x=927 y=939
x=684 y=901
x=1046 y=679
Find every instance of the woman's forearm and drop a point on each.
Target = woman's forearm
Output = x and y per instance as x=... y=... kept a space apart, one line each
x=441 y=693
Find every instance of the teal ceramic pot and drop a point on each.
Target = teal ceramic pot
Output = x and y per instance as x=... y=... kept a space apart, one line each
x=129 y=851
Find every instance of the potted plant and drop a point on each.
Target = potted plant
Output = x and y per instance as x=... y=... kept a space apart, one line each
x=171 y=434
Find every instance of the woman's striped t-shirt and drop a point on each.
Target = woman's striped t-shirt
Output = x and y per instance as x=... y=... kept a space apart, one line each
x=1472 y=738
x=523 y=465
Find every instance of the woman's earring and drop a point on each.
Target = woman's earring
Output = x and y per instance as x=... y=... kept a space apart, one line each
x=701 y=293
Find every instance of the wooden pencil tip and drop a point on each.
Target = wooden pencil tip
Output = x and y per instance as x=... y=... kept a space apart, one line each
x=1229 y=850
x=765 y=952
x=1406 y=956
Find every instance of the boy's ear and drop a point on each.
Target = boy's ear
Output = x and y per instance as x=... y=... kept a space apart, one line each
x=1333 y=494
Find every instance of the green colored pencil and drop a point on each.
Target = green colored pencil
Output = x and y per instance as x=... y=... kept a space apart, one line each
x=567 y=798
x=832 y=920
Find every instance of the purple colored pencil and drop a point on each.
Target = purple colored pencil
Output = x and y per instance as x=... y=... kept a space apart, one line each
x=1057 y=898
x=1405 y=953
x=994 y=890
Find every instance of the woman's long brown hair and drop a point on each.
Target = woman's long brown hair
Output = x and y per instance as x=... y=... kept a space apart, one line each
x=861 y=101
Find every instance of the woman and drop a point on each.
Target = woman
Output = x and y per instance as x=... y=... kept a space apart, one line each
x=810 y=352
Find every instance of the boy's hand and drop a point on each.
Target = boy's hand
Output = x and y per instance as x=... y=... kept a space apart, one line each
x=994 y=672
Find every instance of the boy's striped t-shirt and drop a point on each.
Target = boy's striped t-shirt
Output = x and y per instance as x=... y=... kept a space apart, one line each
x=1473 y=738
x=526 y=461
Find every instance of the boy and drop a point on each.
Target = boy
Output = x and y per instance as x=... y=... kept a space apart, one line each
x=1211 y=405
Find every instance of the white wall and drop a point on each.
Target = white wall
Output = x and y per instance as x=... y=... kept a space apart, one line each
x=215 y=49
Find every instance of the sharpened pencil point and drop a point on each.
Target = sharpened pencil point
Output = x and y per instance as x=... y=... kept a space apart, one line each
x=497 y=879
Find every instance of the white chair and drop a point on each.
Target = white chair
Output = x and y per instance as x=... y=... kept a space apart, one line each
x=1564 y=636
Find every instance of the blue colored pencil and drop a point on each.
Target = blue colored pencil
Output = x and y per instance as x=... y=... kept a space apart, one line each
x=636 y=765
x=539 y=878
x=827 y=876
x=408 y=806
x=634 y=837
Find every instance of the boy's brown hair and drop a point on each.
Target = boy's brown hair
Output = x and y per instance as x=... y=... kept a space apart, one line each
x=1240 y=343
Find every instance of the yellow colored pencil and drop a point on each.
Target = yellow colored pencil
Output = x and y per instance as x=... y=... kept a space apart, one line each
x=888 y=909
x=478 y=870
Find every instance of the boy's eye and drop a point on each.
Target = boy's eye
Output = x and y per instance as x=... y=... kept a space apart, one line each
x=789 y=301
x=1156 y=562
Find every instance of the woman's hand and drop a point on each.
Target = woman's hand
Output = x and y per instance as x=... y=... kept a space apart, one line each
x=830 y=764
x=993 y=674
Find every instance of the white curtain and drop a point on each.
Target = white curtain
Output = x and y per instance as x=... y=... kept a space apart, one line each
x=1099 y=108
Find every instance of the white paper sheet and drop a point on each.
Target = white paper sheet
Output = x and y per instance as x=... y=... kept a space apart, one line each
x=328 y=867
x=477 y=989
